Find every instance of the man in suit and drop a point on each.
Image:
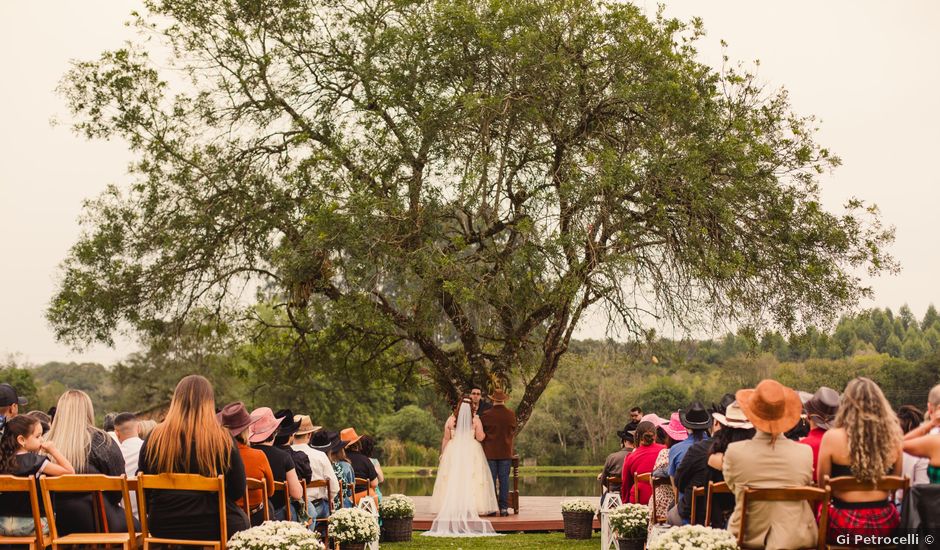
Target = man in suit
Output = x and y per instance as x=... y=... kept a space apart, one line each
x=767 y=461
x=499 y=425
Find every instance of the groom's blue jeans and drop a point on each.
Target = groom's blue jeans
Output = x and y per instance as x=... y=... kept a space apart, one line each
x=500 y=471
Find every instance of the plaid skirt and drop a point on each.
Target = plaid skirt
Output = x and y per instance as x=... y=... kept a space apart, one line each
x=862 y=518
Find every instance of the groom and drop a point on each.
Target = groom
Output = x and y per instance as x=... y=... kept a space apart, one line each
x=499 y=425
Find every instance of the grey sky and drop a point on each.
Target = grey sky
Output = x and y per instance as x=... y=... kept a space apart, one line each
x=869 y=70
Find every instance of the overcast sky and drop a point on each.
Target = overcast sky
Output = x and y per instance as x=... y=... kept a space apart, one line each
x=869 y=70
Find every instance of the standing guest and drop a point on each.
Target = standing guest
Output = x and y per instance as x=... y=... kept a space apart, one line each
x=640 y=461
x=343 y=470
x=282 y=463
x=125 y=427
x=864 y=443
x=613 y=465
x=315 y=442
x=499 y=427
x=361 y=464
x=234 y=417
x=90 y=451
x=19 y=456
x=10 y=402
x=672 y=434
x=912 y=467
x=479 y=404
x=190 y=440
x=821 y=411
x=770 y=460
x=145 y=427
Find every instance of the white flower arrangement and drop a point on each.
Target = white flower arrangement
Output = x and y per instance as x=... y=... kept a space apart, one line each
x=578 y=505
x=396 y=507
x=630 y=521
x=276 y=535
x=353 y=525
x=694 y=537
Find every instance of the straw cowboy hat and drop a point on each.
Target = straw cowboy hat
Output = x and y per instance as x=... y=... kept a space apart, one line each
x=733 y=417
x=265 y=426
x=772 y=407
x=306 y=425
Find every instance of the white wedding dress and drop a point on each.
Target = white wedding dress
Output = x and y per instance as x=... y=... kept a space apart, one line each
x=464 y=487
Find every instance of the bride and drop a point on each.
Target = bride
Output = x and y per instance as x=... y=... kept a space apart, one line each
x=464 y=488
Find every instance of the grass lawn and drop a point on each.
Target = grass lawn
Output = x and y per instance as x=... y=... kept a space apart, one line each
x=520 y=541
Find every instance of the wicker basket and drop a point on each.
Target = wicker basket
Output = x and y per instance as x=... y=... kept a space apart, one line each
x=396 y=529
x=631 y=544
x=578 y=525
x=352 y=546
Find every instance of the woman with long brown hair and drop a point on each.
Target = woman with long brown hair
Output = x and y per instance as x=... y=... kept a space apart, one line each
x=864 y=443
x=190 y=440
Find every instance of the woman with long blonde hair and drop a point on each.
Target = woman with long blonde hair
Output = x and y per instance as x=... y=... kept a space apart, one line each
x=864 y=443
x=190 y=440
x=90 y=451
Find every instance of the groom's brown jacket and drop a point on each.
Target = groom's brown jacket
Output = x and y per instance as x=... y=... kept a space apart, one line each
x=499 y=425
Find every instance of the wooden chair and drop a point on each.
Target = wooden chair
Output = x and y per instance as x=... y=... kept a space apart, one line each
x=697 y=493
x=94 y=483
x=637 y=479
x=317 y=484
x=610 y=482
x=514 y=493
x=282 y=486
x=11 y=484
x=181 y=482
x=720 y=488
x=813 y=495
x=655 y=483
x=253 y=484
x=891 y=484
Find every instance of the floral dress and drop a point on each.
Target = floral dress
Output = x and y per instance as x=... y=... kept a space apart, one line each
x=663 y=495
x=347 y=479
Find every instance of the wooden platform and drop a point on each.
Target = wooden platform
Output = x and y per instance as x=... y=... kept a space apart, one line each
x=536 y=514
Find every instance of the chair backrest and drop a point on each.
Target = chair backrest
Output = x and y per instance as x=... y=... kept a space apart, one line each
x=281 y=486
x=182 y=482
x=611 y=481
x=714 y=488
x=368 y=491
x=12 y=484
x=318 y=483
x=87 y=483
x=697 y=493
x=637 y=479
x=252 y=484
x=887 y=483
x=785 y=494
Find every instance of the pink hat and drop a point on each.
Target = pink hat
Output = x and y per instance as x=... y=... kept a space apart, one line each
x=675 y=429
x=266 y=425
x=655 y=419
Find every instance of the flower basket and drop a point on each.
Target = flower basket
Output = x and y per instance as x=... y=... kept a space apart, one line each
x=694 y=536
x=276 y=535
x=352 y=526
x=397 y=513
x=579 y=518
x=630 y=523
x=352 y=546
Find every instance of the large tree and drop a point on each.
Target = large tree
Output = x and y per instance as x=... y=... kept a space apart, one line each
x=458 y=180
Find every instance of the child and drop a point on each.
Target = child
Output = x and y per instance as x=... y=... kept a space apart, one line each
x=21 y=439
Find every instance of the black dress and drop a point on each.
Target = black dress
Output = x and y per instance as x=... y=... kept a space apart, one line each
x=75 y=512
x=194 y=514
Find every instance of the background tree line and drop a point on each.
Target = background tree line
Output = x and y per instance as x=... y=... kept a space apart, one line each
x=575 y=421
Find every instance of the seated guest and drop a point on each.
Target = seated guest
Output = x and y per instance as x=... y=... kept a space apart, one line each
x=282 y=463
x=145 y=427
x=864 y=443
x=90 y=451
x=343 y=470
x=367 y=448
x=671 y=434
x=912 y=467
x=640 y=461
x=613 y=464
x=922 y=442
x=191 y=441
x=125 y=428
x=44 y=420
x=361 y=464
x=769 y=460
x=20 y=444
x=108 y=425
x=313 y=441
x=235 y=418
x=696 y=420
x=821 y=410
x=10 y=401
x=283 y=439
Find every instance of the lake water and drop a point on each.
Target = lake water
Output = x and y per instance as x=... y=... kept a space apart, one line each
x=534 y=485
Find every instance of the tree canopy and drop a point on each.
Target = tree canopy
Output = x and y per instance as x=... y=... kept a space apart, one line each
x=449 y=184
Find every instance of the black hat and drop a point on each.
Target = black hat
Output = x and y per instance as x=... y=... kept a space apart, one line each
x=8 y=396
x=722 y=406
x=627 y=433
x=288 y=426
x=696 y=417
x=323 y=439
